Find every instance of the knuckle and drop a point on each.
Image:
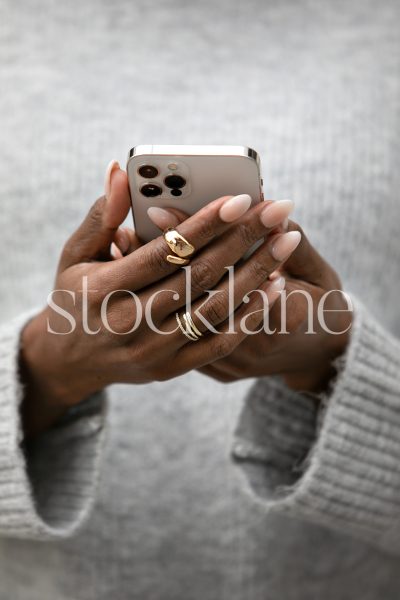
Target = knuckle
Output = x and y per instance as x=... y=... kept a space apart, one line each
x=203 y=275
x=97 y=294
x=248 y=233
x=73 y=250
x=119 y=315
x=222 y=346
x=156 y=259
x=124 y=316
x=215 y=309
x=96 y=211
x=205 y=229
x=102 y=284
x=68 y=252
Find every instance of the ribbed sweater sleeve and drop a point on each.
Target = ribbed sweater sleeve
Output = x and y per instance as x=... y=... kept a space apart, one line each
x=339 y=465
x=47 y=488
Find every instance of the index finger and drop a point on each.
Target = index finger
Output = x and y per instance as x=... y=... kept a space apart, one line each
x=148 y=263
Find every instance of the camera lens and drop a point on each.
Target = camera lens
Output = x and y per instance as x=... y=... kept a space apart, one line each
x=148 y=171
x=150 y=190
x=174 y=181
x=176 y=192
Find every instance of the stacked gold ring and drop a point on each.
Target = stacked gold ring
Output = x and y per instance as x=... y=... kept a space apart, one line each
x=179 y=245
x=188 y=329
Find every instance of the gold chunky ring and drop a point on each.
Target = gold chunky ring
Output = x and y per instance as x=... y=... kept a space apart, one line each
x=177 y=260
x=178 y=244
x=189 y=330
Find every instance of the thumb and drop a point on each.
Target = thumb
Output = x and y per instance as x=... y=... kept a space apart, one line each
x=94 y=236
x=307 y=264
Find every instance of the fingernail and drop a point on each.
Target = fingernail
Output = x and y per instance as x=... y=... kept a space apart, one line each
x=277 y=285
x=234 y=208
x=273 y=290
x=114 y=164
x=115 y=251
x=276 y=212
x=285 y=224
x=121 y=240
x=274 y=275
x=162 y=218
x=283 y=244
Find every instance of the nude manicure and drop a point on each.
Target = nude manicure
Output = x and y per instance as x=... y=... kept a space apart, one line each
x=276 y=212
x=273 y=291
x=115 y=251
x=277 y=285
x=162 y=218
x=114 y=164
x=283 y=244
x=234 y=208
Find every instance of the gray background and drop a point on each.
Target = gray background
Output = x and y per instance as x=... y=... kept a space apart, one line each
x=82 y=82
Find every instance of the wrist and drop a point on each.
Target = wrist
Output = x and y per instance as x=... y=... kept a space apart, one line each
x=318 y=378
x=49 y=391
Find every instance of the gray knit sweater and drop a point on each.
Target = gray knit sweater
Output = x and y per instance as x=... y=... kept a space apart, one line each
x=190 y=489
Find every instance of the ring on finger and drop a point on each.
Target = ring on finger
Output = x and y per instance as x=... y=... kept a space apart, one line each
x=181 y=248
x=188 y=328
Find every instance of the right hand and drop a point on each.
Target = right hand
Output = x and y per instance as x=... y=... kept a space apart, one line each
x=61 y=370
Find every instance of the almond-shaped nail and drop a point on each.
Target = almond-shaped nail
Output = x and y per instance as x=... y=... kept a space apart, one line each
x=283 y=244
x=162 y=218
x=112 y=165
x=115 y=251
x=277 y=285
x=273 y=290
x=274 y=275
x=234 y=208
x=276 y=212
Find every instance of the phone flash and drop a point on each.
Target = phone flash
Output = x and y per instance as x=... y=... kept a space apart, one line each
x=172 y=166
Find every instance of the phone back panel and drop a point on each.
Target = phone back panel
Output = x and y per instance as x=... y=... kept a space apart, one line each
x=208 y=171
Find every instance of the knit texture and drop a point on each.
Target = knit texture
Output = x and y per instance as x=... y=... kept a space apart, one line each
x=49 y=495
x=349 y=477
x=314 y=87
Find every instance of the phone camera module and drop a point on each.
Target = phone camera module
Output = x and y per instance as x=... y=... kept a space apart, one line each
x=150 y=190
x=175 y=181
x=148 y=171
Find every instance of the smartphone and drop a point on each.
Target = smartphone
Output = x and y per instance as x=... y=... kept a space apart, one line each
x=188 y=177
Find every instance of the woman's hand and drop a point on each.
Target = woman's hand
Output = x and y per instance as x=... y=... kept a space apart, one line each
x=304 y=360
x=69 y=353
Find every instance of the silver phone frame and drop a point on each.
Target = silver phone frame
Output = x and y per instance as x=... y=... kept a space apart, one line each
x=195 y=150
x=198 y=150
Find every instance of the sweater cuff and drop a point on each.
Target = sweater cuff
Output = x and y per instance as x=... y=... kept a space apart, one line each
x=341 y=470
x=47 y=487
